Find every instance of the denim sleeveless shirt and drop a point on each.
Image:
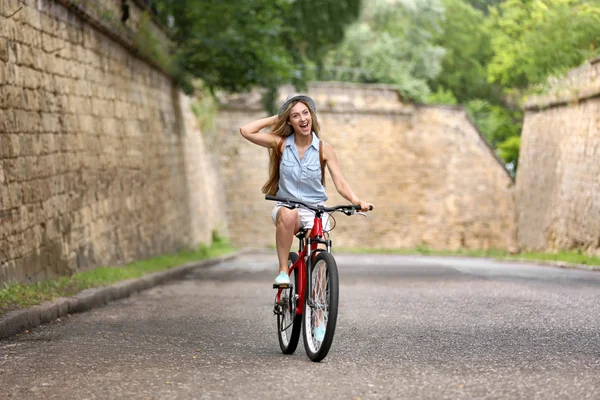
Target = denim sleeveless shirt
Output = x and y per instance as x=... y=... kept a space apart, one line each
x=301 y=179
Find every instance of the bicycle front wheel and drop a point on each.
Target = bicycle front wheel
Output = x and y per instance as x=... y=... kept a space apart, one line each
x=321 y=307
x=288 y=322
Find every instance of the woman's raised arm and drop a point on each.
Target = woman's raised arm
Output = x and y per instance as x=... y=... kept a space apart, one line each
x=251 y=131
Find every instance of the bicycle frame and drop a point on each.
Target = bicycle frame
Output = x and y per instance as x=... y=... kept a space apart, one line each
x=302 y=267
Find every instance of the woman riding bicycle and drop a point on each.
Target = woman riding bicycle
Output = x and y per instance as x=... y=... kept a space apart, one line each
x=296 y=161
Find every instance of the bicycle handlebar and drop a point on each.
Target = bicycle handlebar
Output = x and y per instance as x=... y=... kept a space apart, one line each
x=314 y=207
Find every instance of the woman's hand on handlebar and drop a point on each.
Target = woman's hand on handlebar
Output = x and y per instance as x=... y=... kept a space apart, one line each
x=364 y=206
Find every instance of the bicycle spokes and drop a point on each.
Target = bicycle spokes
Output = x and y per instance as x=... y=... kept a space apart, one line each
x=286 y=305
x=319 y=304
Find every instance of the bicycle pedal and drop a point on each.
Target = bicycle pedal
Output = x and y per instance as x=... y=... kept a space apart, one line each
x=281 y=286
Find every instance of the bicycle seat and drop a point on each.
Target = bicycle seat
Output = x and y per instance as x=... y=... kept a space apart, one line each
x=302 y=233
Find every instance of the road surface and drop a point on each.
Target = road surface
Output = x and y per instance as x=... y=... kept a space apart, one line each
x=409 y=327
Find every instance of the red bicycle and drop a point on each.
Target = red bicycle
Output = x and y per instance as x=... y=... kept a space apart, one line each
x=309 y=303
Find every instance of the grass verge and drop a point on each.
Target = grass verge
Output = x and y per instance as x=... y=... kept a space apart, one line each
x=571 y=257
x=15 y=295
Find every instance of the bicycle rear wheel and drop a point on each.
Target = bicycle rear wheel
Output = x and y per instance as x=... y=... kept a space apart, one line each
x=288 y=322
x=321 y=307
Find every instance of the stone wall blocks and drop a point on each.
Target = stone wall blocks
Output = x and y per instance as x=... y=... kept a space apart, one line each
x=15 y=229
x=2 y=179
x=11 y=146
x=50 y=44
x=13 y=171
x=14 y=52
x=16 y=96
x=10 y=267
x=5 y=203
x=44 y=114
x=29 y=193
x=4 y=50
x=5 y=96
x=26 y=145
x=5 y=10
x=56 y=84
x=22 y=122
x=48 y=101
x=50 y=123
x=24 y=34
x=34 y=18
x=47 y=92
x=31 y=100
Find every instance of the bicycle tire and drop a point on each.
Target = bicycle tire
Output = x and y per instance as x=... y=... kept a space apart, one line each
x=315 y=350
x=288 y=338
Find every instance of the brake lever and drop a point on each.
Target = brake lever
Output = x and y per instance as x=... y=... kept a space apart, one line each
x=353 y=211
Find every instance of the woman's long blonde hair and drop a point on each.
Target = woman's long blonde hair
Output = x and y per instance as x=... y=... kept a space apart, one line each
x=282 y=129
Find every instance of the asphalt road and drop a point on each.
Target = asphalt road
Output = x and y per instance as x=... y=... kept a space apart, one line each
x=408 y=328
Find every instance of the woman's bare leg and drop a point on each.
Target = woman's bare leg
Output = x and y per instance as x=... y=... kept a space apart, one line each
x=288 y=223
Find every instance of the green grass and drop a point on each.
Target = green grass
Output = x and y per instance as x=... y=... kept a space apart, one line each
x=571 y=257
x=15 y=295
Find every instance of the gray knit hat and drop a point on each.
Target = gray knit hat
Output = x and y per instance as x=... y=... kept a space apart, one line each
x=298 y=97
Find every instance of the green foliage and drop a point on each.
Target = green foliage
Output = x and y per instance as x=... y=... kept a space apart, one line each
x=535 y=39
x=150 y=46
x=218 y=239
x=442 y=96
x=391 y=43
x=497 y=123
x=508 y=150
x=466 y=41
x=237 y=44
x=474 y=52
x=205 y=108
x=500 y=126
x=484 y=5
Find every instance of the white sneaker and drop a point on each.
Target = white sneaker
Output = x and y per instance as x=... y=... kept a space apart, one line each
x=282 y=279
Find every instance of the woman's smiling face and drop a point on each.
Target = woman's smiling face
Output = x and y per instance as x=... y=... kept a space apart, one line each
x=300 y=119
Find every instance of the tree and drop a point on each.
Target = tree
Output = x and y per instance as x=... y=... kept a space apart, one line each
x=466 y=42
x=238 y=44
x=391 y=43
x=535 y=39
x=484 y=5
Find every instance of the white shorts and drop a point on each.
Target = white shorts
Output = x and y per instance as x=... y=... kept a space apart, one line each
x=307 y=217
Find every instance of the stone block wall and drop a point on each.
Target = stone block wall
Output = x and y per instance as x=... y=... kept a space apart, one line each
x=100 y=163
x=558 y=182
x=433 y=179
